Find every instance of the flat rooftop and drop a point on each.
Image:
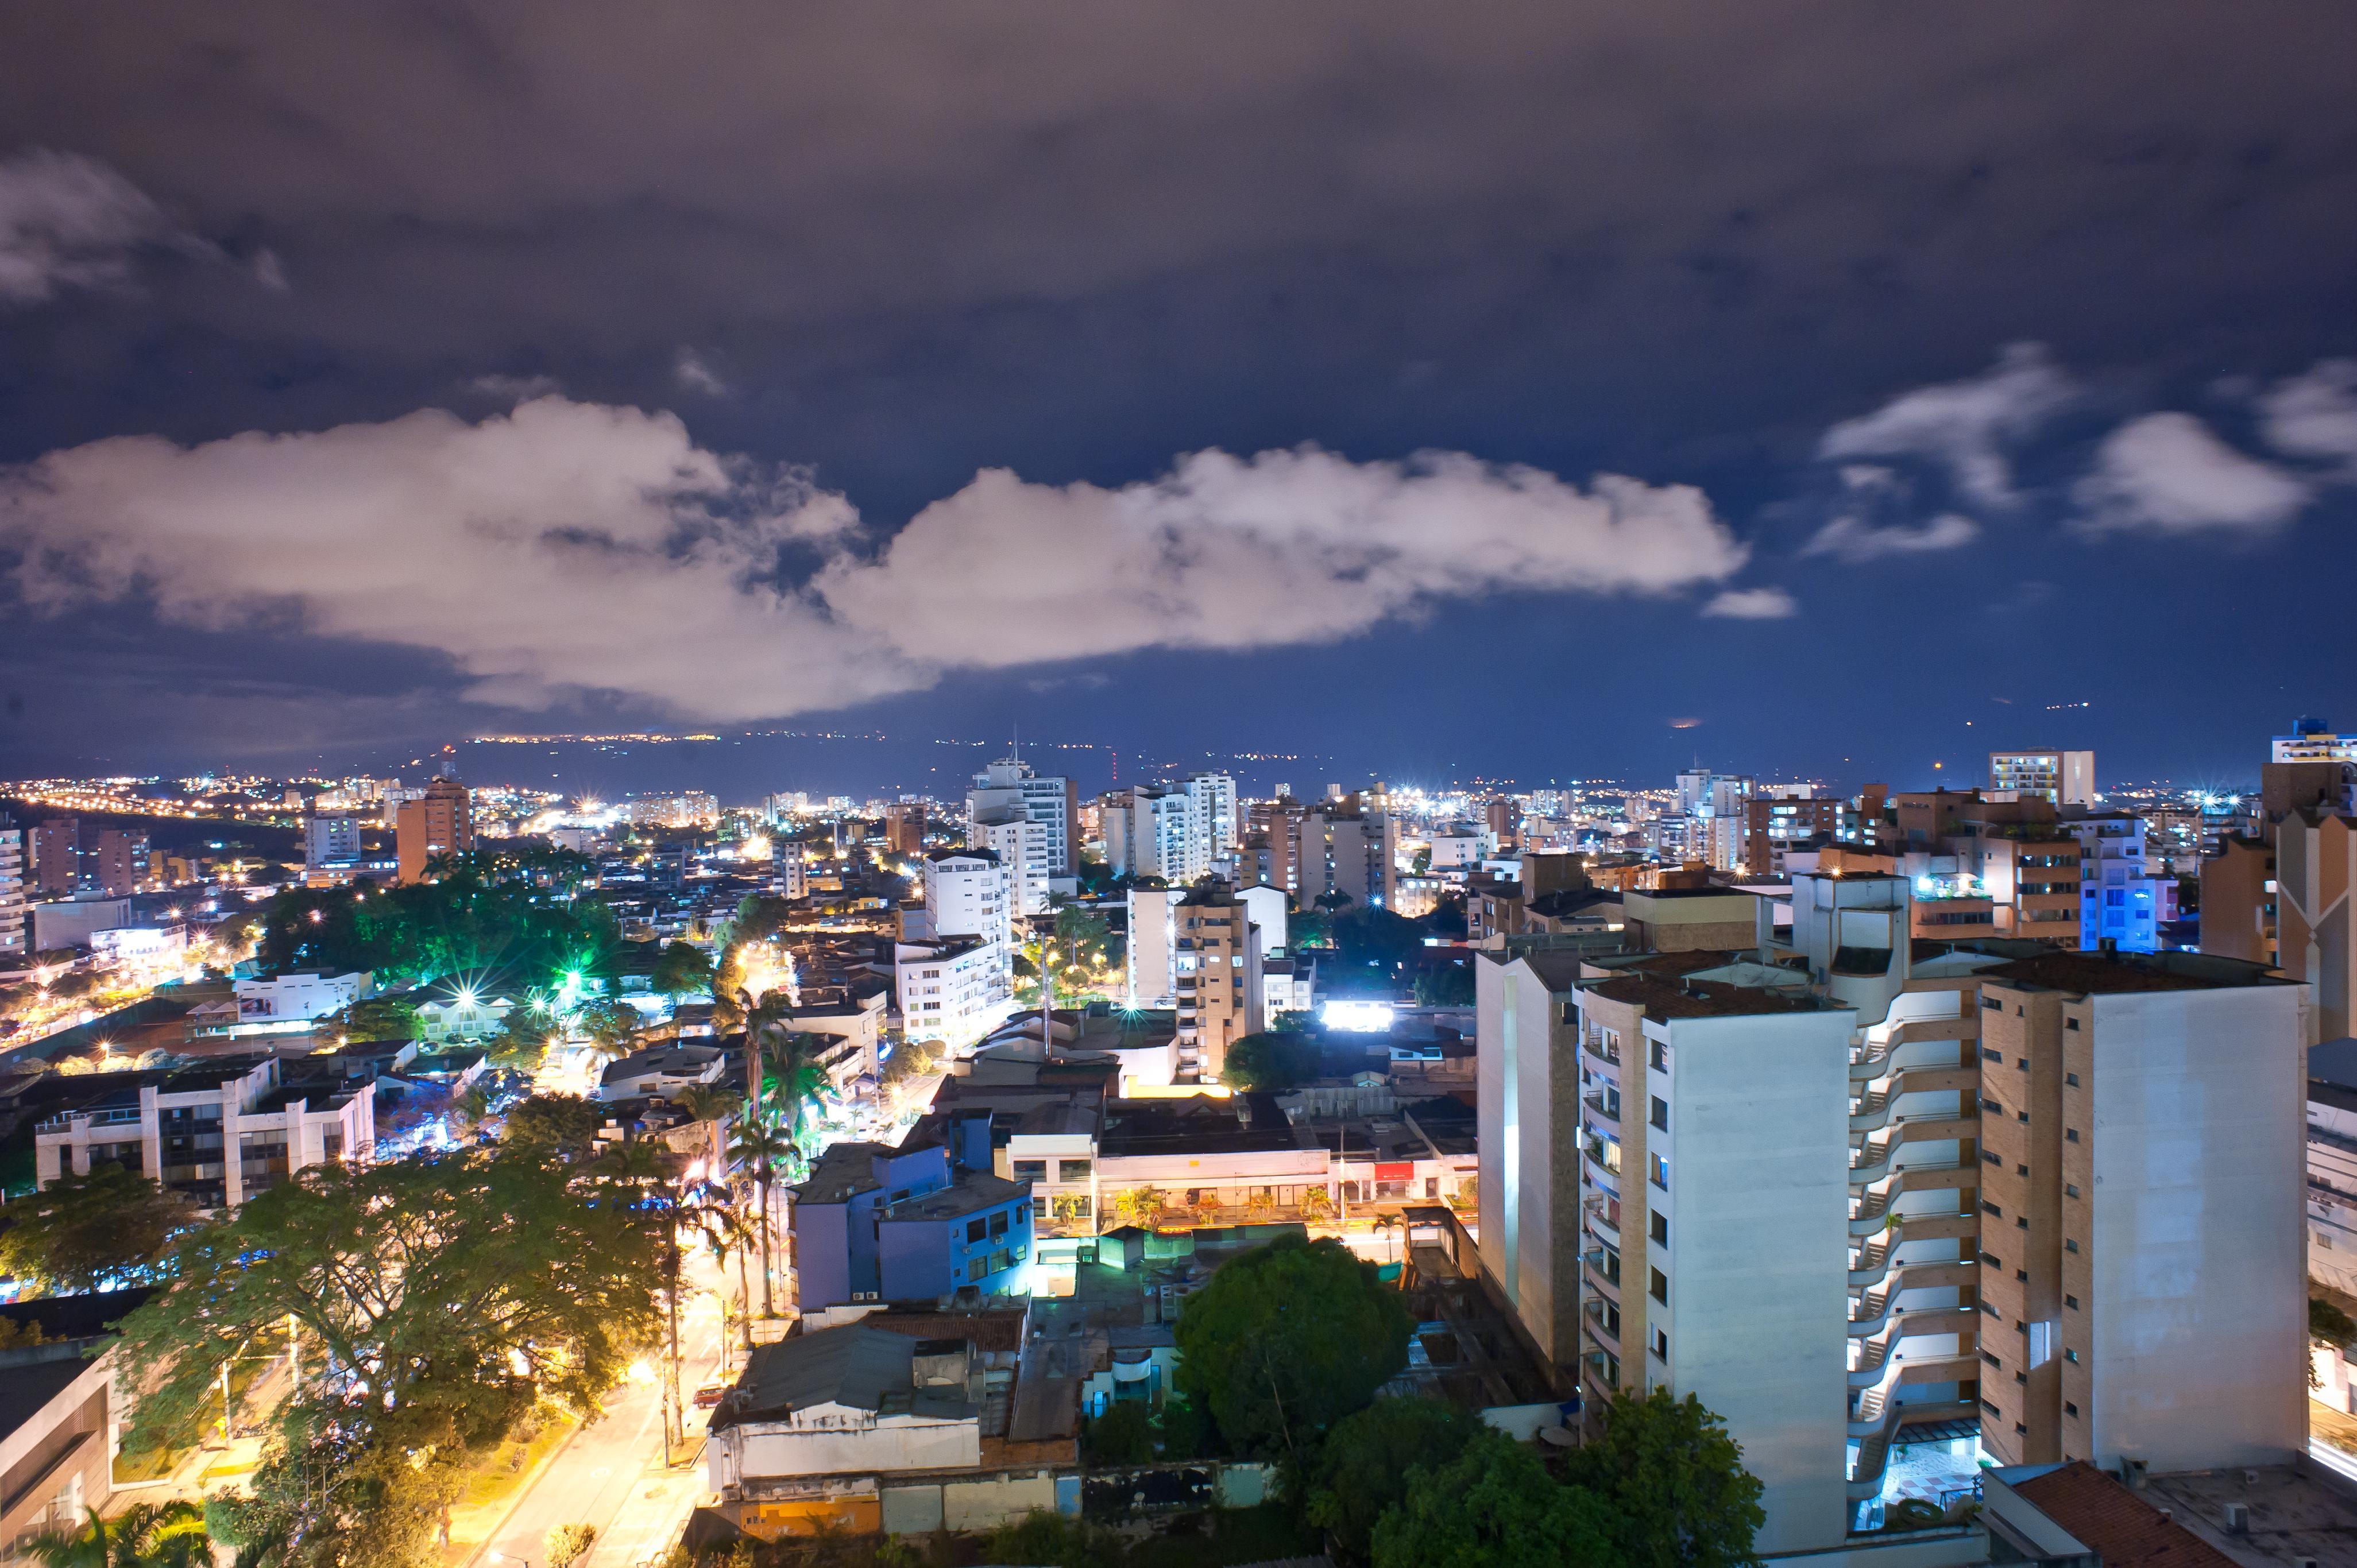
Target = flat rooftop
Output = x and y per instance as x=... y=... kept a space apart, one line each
x=2104 y=974
x=1700 y=998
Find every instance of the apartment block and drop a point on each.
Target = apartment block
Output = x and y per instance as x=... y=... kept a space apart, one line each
x=1528 y=1196
x=1152 y=946
x=950 y=989
x=15 y=905
x=1011 y=786
x=2062 y=777
x=440 y=820
x=1022 y=846
x=2316 y=861
x=177 y=1126
x=2238 y=901
x=2144 y=1286
x=2124 y=894
x=1216 y=972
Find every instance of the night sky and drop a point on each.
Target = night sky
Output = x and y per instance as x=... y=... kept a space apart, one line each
x=1525 y=392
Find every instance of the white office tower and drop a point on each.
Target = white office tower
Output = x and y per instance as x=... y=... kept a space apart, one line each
x=1022 y=844
x=331 y=841
x=1009 y=787
x=1153 y=942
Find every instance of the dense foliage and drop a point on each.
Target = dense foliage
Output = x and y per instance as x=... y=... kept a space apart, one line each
x=85 y=1233
x=1674 y=1481
x=1270 y=1061
x=1364 y=1466
x=1287 y=1339
x=462 y=925
x=436 y=1304
x=1494 y=1506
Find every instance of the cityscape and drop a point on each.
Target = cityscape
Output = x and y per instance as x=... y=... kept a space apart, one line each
x=1178 y=786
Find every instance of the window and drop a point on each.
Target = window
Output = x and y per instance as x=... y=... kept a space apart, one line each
x=2021 y=1273
x=1988 y=1104
x=2021 y=1115
x=2071 y=1134
x=1992 y=1260
x=1661 y=1230
x=2021 y=1222
x=2068 y=1245
x=2071 y=1024
x=1988 y=1207
x=2070 y=1191
x=1030 y=1170
x=1661 y=1053
x=2071 y=1357
x=1990 y=1158
x=2019 y=1430
x=2071 y=1302
x=1992 y=1003
x=1660 y=1286
x=1991 y=1357
x=1661 y=1172
x=1660 y=1114
x=1995 y=1057
x=1071 y=1170
x=1038 y=1209
x=976 y=1269
x=1661 y=1344
x=977 y=1230
x=2072 y=1079
x=998 y=1223
x=2020 y=1170
x=2021 y=1377
x=1990 y=1406
x=2070 y=1409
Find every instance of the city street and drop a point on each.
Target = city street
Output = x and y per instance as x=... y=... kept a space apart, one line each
x=610 y=1474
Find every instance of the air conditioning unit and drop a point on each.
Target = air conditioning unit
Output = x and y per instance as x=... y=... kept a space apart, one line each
x=2132 y=1473
x=2238 y=1518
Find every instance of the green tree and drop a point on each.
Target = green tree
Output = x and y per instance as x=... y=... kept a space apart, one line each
x=1363 y=1468
x=1445 y=985
x=521 y=1042
x=381 y=1018
x=2328 y=1324
x=1270 y=1061
x=436 y=1301
x=682 y=969
x=761 y=1150
x=1494 y=1506
x=610 y=1025
x=553 y=1125
x=145 y=1535
x=80 y=1232
x=1679 y=1495
x=1286 y=1339
x=1122 y=1435
x=1376 y=939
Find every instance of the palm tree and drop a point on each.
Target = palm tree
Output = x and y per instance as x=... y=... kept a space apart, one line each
x=145 y=1535
x=728 y=1231
x=762 y=1150
x=794 y=1082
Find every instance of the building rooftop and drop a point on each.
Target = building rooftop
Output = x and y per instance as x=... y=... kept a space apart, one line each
x=1699 y=998
x=2121 y=1528
x=28 y=1386
x=852 y=1366
x=2102 y=974
x=1199 y=1124
x=969 y=1193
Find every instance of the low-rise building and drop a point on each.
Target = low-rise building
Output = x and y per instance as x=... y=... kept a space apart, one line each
x=662 y=1071
x=951 y=989
x=177 y=1126
x=877 y=1223
x=299 y=998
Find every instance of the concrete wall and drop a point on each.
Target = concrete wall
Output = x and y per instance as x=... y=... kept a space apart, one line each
x=822 y=1254
x=2191 y=1274
x=1759 y=1208
x=827 y=1440
x=1527 y=1124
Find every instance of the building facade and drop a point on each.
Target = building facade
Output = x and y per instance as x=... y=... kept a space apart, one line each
x=1012 y=786
x=440 y=820
x=2062 y=777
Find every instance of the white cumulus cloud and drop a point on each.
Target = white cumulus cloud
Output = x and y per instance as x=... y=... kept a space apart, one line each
x=2315 y=415
x=1852 y=539
x=1753 y=604
x=2166 y=472
x=566 y=548
x=69 y=221
x=1965 y=426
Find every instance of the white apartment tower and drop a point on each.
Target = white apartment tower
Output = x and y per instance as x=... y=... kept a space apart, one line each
x=1009 y=787
x=1975 y=1201
x=15 y=908
x=2065 y=777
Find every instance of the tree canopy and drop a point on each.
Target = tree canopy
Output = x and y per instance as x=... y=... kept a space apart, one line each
x=418 y=932
x=680 y=969
x=81 y=1232
x=1286 y=1340
x=1363 y=1468
x=1678 y=1494
x=1270 y=1061
x=143 y=1535
x=436 y=1303
x=1494 y=1506
x=555 y=1125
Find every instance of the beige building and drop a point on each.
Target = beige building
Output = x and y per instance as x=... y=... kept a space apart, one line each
x=2238 y=901
x=440 y=821
x=2316 y=861
x=1215 y=971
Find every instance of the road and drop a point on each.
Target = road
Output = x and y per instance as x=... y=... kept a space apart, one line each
x=611 y=1475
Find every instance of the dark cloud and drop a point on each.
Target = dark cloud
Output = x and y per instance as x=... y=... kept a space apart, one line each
x=901 y=244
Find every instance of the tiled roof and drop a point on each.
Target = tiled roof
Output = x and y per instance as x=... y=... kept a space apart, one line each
x=2122 y=1528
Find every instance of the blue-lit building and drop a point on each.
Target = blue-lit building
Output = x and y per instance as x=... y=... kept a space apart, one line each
x=877 y=1223
x=2122 y=901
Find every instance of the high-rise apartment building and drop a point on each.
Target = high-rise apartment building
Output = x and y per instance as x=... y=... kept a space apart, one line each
x=1153 y=944
x=1011 y=786
x=330 y=842
x=71 y=856
x=1876 y=1197
x=57 y=856
x=1022 y=844
x=2312 y=740
x=2143 y=1275
x=1780 y=816
x=1216 y=974
x=2062 y=777
x=904 y=827
x=2315 y=877
x=441 y=821
x=15 y=903
x=2125 y=894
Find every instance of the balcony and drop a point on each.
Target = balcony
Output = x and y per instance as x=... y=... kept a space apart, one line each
x=1600 y=1051
x=64 y=1122
x=1608 y=1108
x=1592 y=1319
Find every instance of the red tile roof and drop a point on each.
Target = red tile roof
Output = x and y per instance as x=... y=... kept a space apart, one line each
x=2122 y=1528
